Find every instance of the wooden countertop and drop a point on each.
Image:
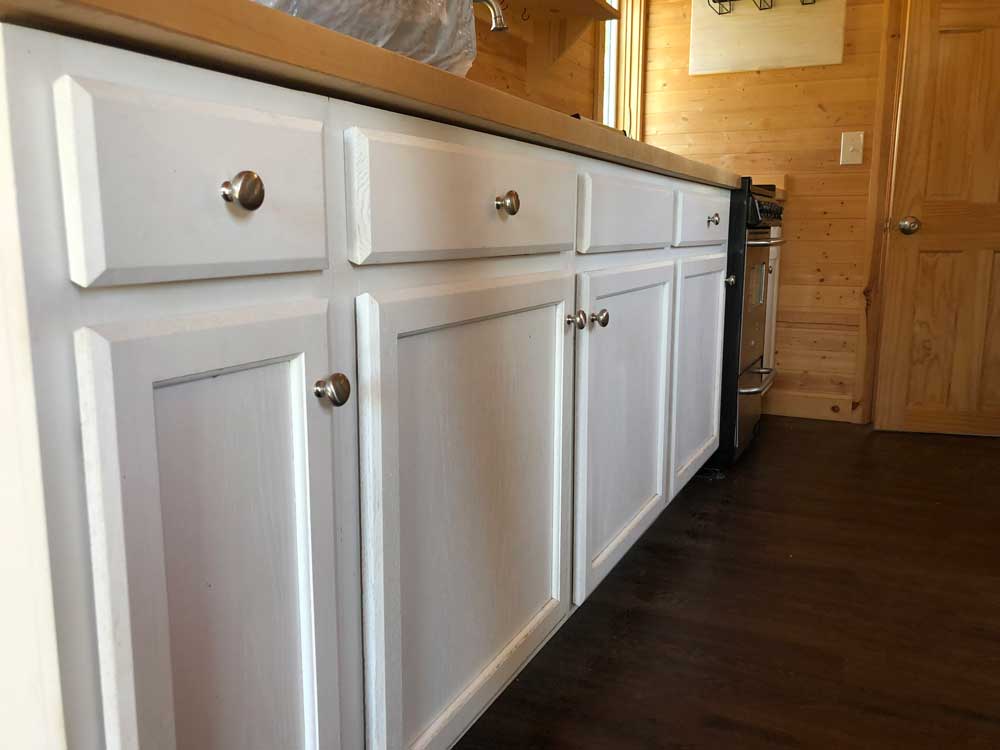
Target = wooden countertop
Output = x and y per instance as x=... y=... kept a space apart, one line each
x=247 y=39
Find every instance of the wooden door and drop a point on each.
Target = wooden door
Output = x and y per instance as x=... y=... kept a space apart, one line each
x=697 y=372
x=209 y=492
x=622 y=398
x=939 y=364
x=466 y=459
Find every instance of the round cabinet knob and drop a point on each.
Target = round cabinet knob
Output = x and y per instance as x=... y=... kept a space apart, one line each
x=578 y=319
x=246 y=190
x=602 y=318
x=731 y=280
x=909 y=224
x=510 y=202
x=714 y=219
x=337 y=388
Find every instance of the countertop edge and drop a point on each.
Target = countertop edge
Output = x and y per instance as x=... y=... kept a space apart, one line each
x=243 y=38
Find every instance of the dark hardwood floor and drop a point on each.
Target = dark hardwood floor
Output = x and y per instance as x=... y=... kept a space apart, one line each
x=839 y=589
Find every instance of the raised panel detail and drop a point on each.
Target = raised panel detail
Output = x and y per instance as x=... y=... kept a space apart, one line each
x=412 y=198
x=141 y=173
x=701 y=219
x=464 y=397
x=697 y=378
x=623 y=211
x=211 y=517
x=621 y=432
x=935 y=323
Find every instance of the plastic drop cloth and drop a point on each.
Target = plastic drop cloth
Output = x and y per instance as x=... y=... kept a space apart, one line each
x=439 y=32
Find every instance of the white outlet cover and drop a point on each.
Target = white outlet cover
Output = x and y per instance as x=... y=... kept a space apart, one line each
x=852 y=147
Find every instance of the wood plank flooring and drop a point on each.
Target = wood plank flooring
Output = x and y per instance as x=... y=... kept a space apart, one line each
x=839 y=589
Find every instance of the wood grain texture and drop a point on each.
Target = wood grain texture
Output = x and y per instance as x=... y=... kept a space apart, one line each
x=837 y=590
x=248 y=39
x=788 y=121
x=941 y=289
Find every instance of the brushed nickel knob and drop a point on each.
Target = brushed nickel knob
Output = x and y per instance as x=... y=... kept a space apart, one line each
x=731 y=280
x=509 y=202
x=909 y=224
x=578 y=319
x=246 y=190
x=714 y=219
x=337 y=388
x=602 y=318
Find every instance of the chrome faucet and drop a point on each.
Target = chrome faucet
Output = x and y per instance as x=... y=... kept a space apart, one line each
x=496 y=14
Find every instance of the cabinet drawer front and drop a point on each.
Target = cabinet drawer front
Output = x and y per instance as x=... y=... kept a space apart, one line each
x=465 y=414
x=623 y=212
x=142 y=172
x=210 y=502
x=696 y=219
x=621 y=432
x=413 y=198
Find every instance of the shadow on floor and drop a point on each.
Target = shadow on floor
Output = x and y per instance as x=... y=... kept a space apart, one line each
x=840 y=588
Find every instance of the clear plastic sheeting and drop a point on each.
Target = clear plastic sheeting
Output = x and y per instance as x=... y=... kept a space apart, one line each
x=438 y=32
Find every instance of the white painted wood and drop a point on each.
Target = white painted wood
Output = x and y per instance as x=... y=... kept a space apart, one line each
x=697 y=375
x=465 y=397
x=694 y=224
x=622 y=402
x=413 y=198
x=770 y=329
x=788 y=35
x=141 y=172
x=210 y=501
x=622 y=209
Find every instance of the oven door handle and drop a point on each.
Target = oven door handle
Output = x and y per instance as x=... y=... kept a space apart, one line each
x=763 y=387
x=764 y=243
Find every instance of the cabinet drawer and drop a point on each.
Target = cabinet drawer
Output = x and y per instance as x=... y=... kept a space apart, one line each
x=142 y=172
x=701 y=219
x=413 y=198
x=623 y=212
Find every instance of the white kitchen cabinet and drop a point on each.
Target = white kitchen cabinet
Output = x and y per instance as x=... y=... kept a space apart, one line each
x=414 y=198
x=622 y=209
x=701 y=218
x=209 y=492
x=697 y=372
x=465 y=415
x=622 y=402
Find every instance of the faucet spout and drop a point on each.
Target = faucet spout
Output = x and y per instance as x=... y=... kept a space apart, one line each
x=496 y=14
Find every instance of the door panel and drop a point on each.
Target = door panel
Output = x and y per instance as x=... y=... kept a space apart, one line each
x=937 y=362
x=622 y=398
x=211 y=511
x=465 y=426
x=697 y=376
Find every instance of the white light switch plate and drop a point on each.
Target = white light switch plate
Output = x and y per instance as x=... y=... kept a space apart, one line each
x=852 y=147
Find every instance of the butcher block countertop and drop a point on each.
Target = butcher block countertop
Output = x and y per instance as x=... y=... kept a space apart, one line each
x=243 y=38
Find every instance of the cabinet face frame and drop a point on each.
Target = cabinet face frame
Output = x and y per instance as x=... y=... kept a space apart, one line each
x=382 y=321
x=707 y=265
x=592 y=565
x=119 y=366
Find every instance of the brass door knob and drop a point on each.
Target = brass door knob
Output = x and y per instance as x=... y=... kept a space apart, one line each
x=578 y=319
x=909 y=224
x=510 y=202
x=337 y=388
x=246 y=190
x=602 y=318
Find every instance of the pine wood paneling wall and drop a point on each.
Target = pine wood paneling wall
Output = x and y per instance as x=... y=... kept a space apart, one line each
x=788 y=122
x=552 y=63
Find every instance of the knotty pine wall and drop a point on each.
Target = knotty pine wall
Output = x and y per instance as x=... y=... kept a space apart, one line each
x=788 y=122
x=552 y=63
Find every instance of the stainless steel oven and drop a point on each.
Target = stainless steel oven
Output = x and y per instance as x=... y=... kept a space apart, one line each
x=755 y=228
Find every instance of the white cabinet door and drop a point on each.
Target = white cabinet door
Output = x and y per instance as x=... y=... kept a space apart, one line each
x=697 y=381
x=211 y=520
x=465 y=411
x=622 y=398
